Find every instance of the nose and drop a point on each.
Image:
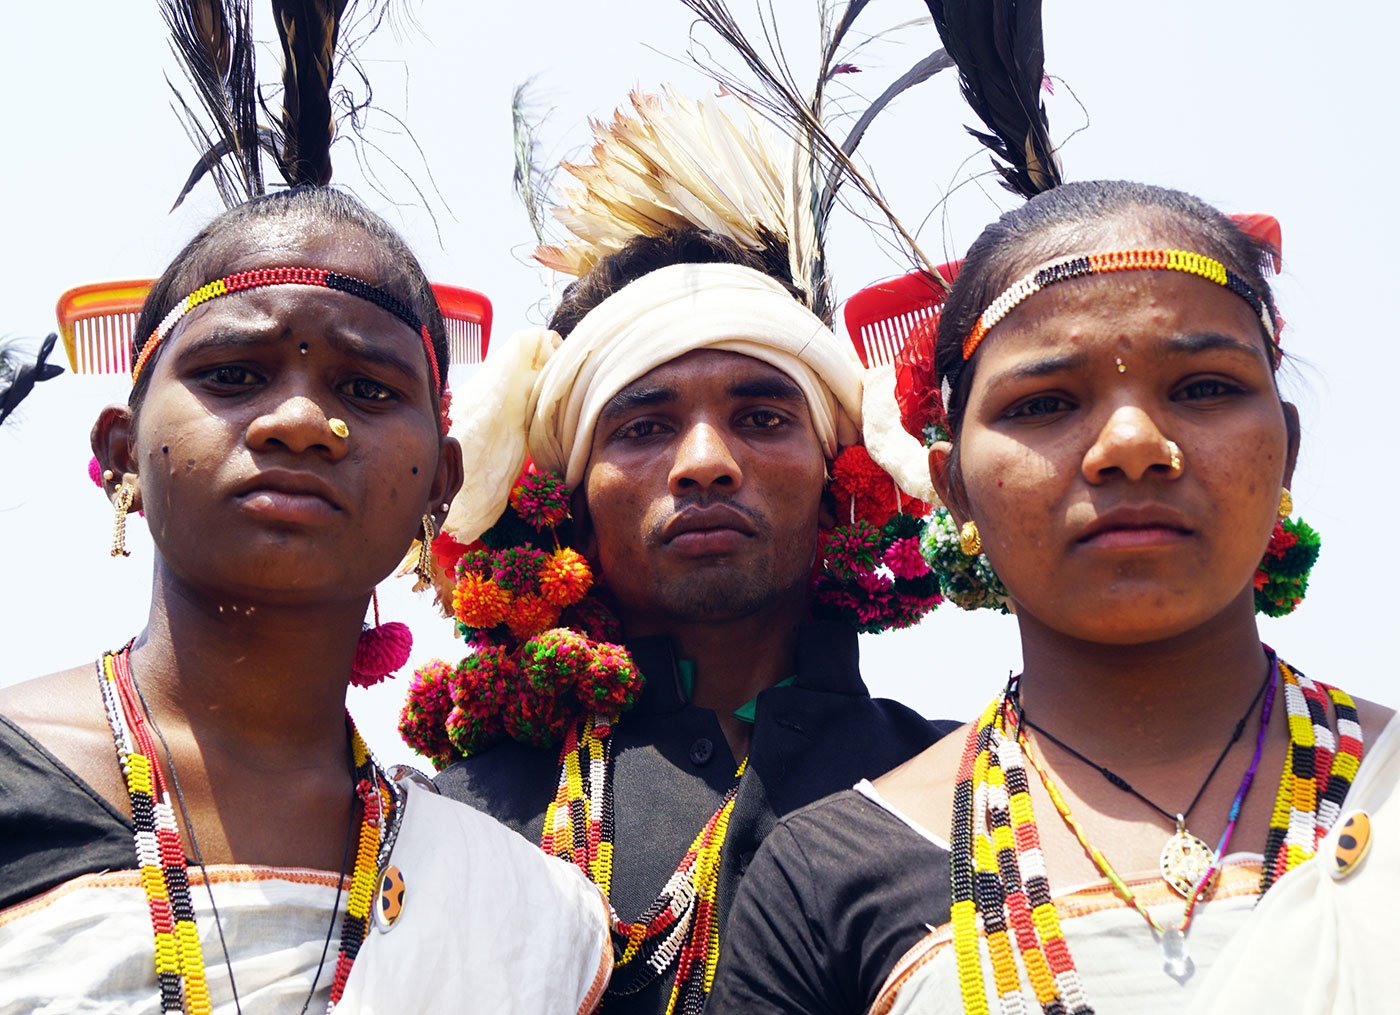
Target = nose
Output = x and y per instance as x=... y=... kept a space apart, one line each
x=1130 y=444
x=296 y=424
x=703 y=462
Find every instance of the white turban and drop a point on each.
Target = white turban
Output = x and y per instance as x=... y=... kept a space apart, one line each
x=541 y=395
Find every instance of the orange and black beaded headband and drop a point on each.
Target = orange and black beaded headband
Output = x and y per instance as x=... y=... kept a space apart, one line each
x=260 y=277
x=1118 y=260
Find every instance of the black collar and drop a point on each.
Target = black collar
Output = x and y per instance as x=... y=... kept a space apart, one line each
x=828 y=659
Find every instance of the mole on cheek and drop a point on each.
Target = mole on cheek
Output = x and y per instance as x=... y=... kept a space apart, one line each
x=415 y=470
x=165 y=449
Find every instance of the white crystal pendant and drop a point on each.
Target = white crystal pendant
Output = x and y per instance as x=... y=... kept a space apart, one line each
x=1176 y=958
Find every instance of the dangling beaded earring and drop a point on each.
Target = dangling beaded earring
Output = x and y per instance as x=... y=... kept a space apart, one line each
x=969 y=539
x=126 y=496
x=381 y=650
x=424 y=568
x=1281 y=580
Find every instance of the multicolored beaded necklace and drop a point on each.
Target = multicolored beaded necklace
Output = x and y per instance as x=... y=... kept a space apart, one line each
x=160 y=855
x=680 y=928
x=1001 y=902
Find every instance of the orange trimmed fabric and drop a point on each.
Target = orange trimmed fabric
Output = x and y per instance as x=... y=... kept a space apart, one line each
x=1118 y=260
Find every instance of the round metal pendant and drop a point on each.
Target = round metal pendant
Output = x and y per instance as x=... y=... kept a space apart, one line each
x=388 y=902
x=1185 y=860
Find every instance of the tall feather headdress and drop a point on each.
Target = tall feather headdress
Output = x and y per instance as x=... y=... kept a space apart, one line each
x=213 y=41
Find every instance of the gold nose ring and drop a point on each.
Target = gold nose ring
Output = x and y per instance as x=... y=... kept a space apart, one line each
x=1174 y=449
x=342 y=430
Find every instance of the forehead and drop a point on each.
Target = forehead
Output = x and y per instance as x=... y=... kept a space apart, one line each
x=1121 y=311
x=294 y=241
x=706 y=373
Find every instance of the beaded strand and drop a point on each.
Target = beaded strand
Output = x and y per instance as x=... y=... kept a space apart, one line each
x=160 y=856
x=261 y=277
x=1118 y=260
x=997 y=867
x=680 y=928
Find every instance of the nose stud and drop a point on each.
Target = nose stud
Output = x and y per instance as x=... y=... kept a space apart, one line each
x=1174 y=450
x=338 y=427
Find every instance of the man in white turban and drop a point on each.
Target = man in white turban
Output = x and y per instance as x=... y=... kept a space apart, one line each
x=695 y=406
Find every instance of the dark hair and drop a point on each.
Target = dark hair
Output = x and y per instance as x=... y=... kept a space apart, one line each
x=644 y=254
x=1066 y=220
x=212 y=247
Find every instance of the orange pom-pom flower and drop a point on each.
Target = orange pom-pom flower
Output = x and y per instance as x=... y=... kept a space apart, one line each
x=479 y=602
x=565 y=577
x=529 y=615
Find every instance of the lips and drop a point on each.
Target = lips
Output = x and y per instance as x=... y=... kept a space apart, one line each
x=288 y=495
x=715 y=528
x=1136 y=526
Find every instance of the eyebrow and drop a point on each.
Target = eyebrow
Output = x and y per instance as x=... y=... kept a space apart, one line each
x=245 y=336
x=1211 y=341
x=1041 y=368
x=637 y=398
x=776 y=386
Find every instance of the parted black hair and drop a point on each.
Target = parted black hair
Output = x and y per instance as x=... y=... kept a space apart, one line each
x=1067 y=220
x=205 y=256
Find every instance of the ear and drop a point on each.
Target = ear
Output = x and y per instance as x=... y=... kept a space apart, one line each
x=947 y=481
x=585 y=540
x=1290 y=419
x=826 y=510
x=447 y=478
x=112 y=440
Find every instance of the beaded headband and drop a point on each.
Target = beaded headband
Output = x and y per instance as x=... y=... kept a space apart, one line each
x=1118 y=260
x=1097 y=264
x=260 y=277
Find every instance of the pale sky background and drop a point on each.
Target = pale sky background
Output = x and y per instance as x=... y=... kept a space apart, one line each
x=1256 y=107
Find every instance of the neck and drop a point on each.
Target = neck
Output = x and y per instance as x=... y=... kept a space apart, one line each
x=265 y=680
x=1144 y=703
x=734 y=658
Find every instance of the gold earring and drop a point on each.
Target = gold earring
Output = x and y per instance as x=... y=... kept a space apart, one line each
x=970 y=539
x=1285 y=503
x=126 y=496
x=1174 y=449
x=338 y=427
x=424 y=568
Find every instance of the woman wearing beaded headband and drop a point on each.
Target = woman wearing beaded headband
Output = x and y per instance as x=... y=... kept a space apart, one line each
x=284 y=439
x=1108 y=436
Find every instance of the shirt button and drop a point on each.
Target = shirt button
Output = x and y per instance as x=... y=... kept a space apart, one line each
x=702 y=751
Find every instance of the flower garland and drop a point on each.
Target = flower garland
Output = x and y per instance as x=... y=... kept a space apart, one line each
x=871 y=573
x=968 y=581
x=544 y=651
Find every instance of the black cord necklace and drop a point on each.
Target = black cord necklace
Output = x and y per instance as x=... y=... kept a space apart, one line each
x=204 y=876
x=1185 y=857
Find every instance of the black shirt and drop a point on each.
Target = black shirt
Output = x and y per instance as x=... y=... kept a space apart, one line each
x=838 y=893
x=53 y=826
x=672 y=768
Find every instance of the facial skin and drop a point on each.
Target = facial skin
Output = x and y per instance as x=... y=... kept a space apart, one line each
x=231 y=446
x=1065 y=465
x=704 y=492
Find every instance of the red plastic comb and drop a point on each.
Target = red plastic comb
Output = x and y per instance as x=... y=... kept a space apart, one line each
x=880 y=317
x=96 y=322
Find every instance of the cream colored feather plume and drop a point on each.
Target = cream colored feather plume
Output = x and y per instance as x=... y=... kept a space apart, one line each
x=673 y=162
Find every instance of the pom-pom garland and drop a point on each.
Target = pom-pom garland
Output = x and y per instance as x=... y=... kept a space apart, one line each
x=543 y=653
x=870 y=573
x=1282 y=578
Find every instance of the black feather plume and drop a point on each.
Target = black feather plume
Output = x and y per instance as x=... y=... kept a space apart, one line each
x=214 y=43
x=999 y=50
x=17 y=377
x=308 y=31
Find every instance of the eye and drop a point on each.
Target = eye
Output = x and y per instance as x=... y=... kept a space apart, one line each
x=638 y=429
x=230 y=376
x=764 y=419
x=1206 y=388
x=368 y=391
x=1040 y=405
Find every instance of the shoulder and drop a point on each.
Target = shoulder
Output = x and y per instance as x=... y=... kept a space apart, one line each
x=510 y=781
x=847 y=887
